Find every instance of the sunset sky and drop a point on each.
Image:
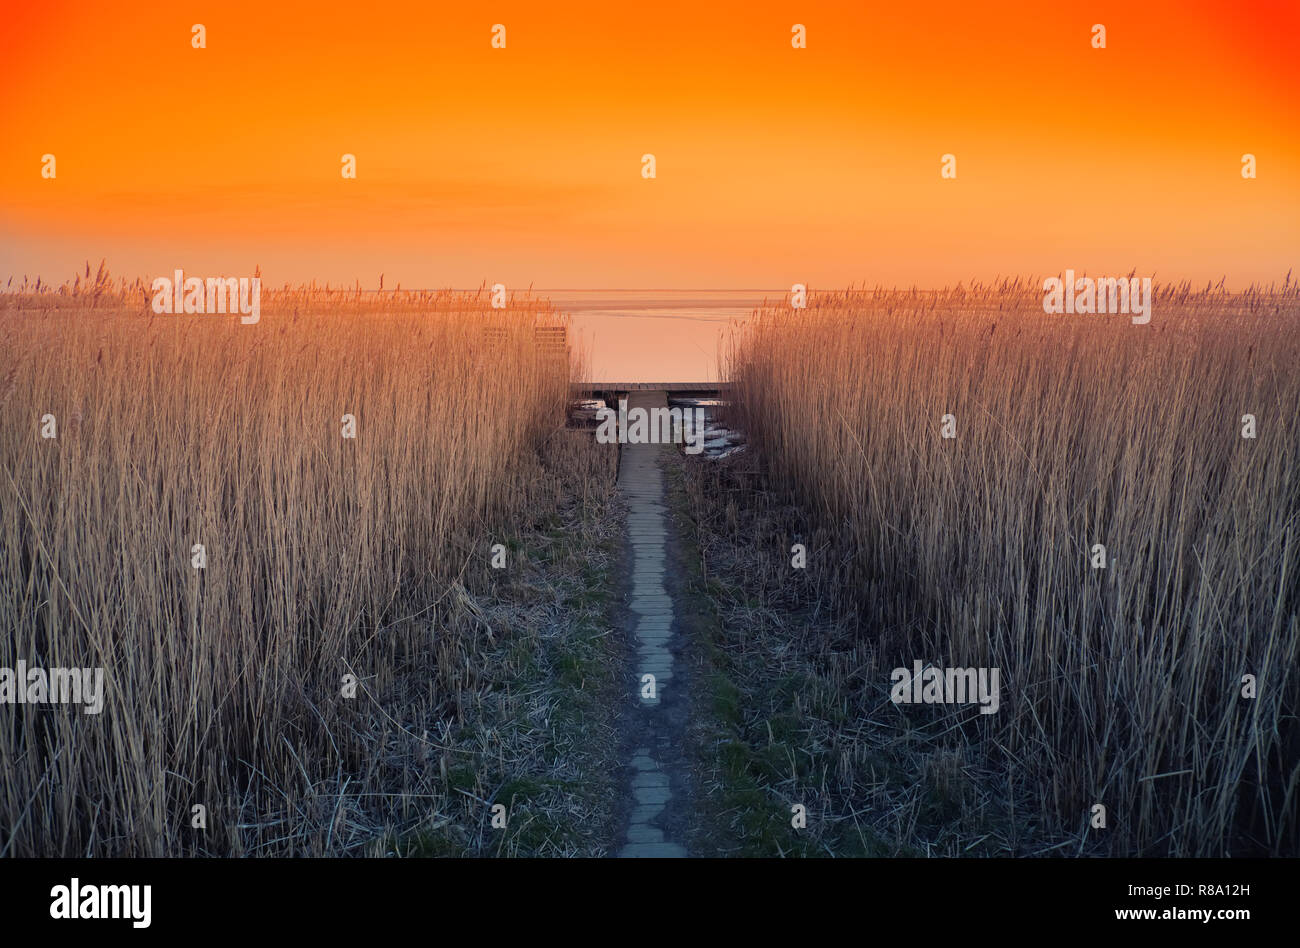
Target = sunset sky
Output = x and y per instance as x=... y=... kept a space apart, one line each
x=775 y=165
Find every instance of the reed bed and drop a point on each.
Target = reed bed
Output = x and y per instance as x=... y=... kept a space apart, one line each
x=326 y=556
x=1120 y=686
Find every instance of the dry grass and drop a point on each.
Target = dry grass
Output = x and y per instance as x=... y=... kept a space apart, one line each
x=801 y=710
x=1120 y=686
x=326 y=557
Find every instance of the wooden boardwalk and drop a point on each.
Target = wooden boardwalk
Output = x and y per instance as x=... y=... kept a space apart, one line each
x=641 y=482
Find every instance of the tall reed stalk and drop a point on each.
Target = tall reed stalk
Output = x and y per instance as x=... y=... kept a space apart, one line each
x=225 y=684
x=1121 y=686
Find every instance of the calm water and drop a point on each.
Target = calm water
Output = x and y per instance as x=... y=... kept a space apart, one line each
x=655 y=335
x=721 y=438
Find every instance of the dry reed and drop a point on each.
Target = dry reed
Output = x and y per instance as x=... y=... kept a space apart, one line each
x=225 y=683
x=1120 y=686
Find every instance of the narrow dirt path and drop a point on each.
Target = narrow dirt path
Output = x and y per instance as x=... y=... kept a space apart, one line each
x=655 y=730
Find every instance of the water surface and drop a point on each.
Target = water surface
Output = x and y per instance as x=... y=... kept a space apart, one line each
x=655 y=335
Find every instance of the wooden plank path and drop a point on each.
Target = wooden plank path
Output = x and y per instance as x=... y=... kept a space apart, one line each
x=641 y=482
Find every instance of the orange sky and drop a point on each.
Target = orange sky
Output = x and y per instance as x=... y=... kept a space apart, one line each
x=775 y=165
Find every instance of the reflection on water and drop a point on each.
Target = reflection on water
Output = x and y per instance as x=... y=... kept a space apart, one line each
x=720 y=441
x=655 y=335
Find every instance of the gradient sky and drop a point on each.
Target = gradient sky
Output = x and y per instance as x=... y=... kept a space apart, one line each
x=775 y=165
